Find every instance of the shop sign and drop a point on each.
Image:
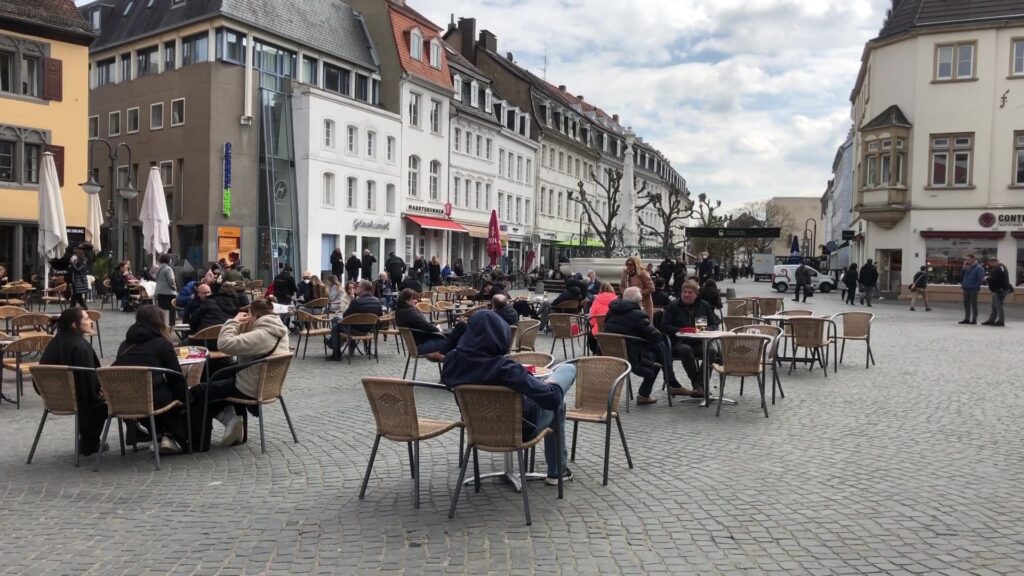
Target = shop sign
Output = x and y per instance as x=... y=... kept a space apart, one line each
x=380 y=225
x=1013 y=220
x=225 y=200
x=849 y=234
x=425 y=209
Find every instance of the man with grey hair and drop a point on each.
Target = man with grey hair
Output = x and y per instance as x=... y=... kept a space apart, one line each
x=647 y=346
x=593 y=285
x=501 y=307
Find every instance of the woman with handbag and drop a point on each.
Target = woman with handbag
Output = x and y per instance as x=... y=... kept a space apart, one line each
x=919 y=287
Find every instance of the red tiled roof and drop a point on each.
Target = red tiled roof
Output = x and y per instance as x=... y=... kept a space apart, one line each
x=403 y=20
x=59 y=14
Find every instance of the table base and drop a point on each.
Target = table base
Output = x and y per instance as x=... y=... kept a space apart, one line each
x=508 y=475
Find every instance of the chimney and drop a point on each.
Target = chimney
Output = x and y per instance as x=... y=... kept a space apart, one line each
x=508 y=56
x=580 y=97
x=561 y=87
x=488 y=40
x=467 y=32
x=615 y=117
x=451 y=23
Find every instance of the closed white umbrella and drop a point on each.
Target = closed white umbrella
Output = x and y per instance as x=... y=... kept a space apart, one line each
x=93 y=221
x=156 y=234
x=53 y=234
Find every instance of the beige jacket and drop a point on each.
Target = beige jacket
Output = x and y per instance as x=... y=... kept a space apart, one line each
x=248 y=345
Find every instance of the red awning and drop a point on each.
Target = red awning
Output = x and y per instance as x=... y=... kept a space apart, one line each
x=975 y=235
x=1017 y=234
x=436 y=223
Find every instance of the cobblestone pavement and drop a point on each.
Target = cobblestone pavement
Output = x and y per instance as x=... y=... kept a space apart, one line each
x=913 y=466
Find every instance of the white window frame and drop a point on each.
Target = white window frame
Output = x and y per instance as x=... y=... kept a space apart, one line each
x=435 y=179
x=413 y=180
x=457 y=83
x=167 y=182
x=1017 y=63
x=955 y=57
x=330 y=134
x=151 y=107
x=127 y=121
x=352 y=139
x=488 y=101
x=435 y=53
x=489 y=143
x=184 y=113
x=352 y=193
x=435 y=116
x=371 y=196
x=110 y=117
x=474 y=94
x=457 y=139
x=371 y=143
x=416 y=44
x=391 y=144
x=328 y=190
x=390 y=198
x=415 y=98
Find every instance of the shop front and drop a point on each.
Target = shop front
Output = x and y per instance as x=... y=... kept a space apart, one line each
x=428 y=233
x=946 y=252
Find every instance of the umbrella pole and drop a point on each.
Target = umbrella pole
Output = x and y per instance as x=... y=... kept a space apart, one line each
x=46 y=273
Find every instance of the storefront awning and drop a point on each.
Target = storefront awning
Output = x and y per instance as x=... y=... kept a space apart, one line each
x=1018 y=234
x=973 y=235
x=476 y=231
x=435 y=223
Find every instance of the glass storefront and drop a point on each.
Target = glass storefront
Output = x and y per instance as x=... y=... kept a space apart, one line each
x=945 y=257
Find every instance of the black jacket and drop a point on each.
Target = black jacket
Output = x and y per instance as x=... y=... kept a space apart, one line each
x=363 y=304
x=70 y=349
x=679 y=275
x=145 y=346
x=480 y=358
x=117 y=284
x=419 y=266
x=706 y=269
x=868 y=275
x=629 y=319
x=711 y=296
x=435 y=273
x=216 y=309
x=79 y=276
x=407 y=316
x=850 y=279
x=284 y=287
x=999 y=279
x=666 y=269
x=337 y=264
x=660 y=298
x=411 y=282
x=368 y=261
x=920 y=280
x=395 y=267
x=508 y=314
x=678 y=315
x=353 y=265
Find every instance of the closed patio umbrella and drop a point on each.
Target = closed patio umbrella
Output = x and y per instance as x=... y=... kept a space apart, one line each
x=93 y=221
x=794 y=251
x=53 y=234
x=156 y=235
x=494 y=239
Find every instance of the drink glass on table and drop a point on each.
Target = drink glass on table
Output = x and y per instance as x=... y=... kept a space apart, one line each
x=701 y=323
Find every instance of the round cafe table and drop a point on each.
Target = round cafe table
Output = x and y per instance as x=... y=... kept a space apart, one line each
x=707 y=337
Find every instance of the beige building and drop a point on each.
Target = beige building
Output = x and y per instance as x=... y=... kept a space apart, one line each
x=797 y=216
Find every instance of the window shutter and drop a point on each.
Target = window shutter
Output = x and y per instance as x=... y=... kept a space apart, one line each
x=58 y=159
x=53 y=88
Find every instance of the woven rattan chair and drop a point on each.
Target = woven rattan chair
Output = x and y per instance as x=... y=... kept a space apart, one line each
x=31 y=325
x=95 y=316
x=56 y=385
x=542 y=359
x=128 y=391
x=412 y=351
x=55 y=295
x=772 y=354
x=617 y=346
x=598 y=387
x=567 y=307
x=856 y=326
x=394 y=410
x=352 y=339
x=737 y=307
x=310 y=326
x=565 y=327
x=814 y=334
x=493 y=416
x=387 y=327
x=787 y=331
x=15 y=360
x=108 y=295
x=9 y=312
x=427 y=295
x=273 y=371
x=526 y=335
x=770 y=306
x=742 y=355
x=731 y=322
x=599 y=320
x=207 y=337
x=13 y=295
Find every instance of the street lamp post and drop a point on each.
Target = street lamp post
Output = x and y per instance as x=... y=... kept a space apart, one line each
x=91 y=186
x=810 y=236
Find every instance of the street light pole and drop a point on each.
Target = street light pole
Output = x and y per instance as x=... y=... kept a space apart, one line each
x=91 y=186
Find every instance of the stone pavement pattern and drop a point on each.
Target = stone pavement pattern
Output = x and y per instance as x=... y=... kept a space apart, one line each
x=911 y=467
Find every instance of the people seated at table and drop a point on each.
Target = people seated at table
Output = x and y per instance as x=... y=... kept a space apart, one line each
x=384 y=290
x=70 y=348
x=412 y=283
x=216 y=309
x=625 y=316
x=249 y=336
x=201 y=294
x=148 y=343
x=660 y=297
x=284 y=286
x=572 y=291
x=430 y=340
x=119 y=282
x=592 y=285
x=364 y=303
x=599 y=307
x=304 y=289
x=458 y=269
x=710 y=294
x=501 y=307
x=683 y=313
x=480 y=358
x=232 y=273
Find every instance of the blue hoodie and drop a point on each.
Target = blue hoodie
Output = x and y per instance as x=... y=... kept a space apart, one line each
x=973 y=278
x=480 y=359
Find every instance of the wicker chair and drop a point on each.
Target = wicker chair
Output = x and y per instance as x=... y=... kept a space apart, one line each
x=95 y=316
x=562 y=329
x=394 y=410
x=617 y=346
x=772 y=355
x=387 y=327
x=815 y=334
x=771 y=306
x=128 y=391
x=310 y=325
x=205 y=337
x=55 y=295
x=9 y=312
x=31 y=325
x=542 y=359
x=599 y=320
x=493 y=417
x=273 y=371
x=526 y=335
x=362 y=320
x=19 y=350
x=13 y=295
x=138 y=295
x=599 y=382
x=412 y=351
x=730 y=323
x=56 y=385
x=787 y=331
x=317 y=305
x=742 y=355
x=108 y=296
x=567 y=307
x=856 y=326
x=737 y=307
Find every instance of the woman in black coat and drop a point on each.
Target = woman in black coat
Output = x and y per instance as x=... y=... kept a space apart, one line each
x=147 y=343
x=434 y=268
x=850 y=280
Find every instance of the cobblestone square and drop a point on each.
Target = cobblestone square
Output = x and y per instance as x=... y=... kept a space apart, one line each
x=913 y=466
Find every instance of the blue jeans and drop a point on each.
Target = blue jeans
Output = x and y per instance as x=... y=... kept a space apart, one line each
x=434 y=344
x=564 y=377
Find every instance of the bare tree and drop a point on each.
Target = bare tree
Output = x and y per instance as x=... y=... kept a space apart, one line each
x=767 y=214
x=604 y=224
x=672 y=213
x=707 y=213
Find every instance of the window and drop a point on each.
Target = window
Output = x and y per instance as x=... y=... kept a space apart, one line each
x=94 y=127
x=371 y=195
x=391 y=149
x=1017 y=57
x=195 y=49
x=487 y=153
x=526 y=213
x=156 y=116
x=169 y=56
x=28 y=76
x=353 y=139
x=551 y=202
x=273 y=60
x=543 y=194
x=329 y=134
x=114 y=123
x=435 y=53
x=455 y=191
x=519 y=168
x=389 y=199
x=561 y=162
x=529 y=170
x=435 y=117
x=414 y=109
x=147 y=61
x=457 y=82
x=577 y=168
x=474 y=94
x=327 y=197
x=177 y=112
x=551 y=159
x=362 y=87
x=435 y=174
x=231 y=46
x=375 y=92
x=6 y=161
x=509 y=175
x=954 y=62
x=416 y=44
x=488 y=101
x=945 y=258
x=1018 y=158
x=469 y=143
x=33 y=153
x=167 y=173
x=487 y=196
x=951 y=159
x=126 y=67
x=309 y=70
x=336 y=79
x=501 y=162
x=479 y=145
x=105 y=71
x=371 y=144
x=558 y=208
x=133 y=120
x=501 y=202
x=350 y=193
x=457 y=140
x=519 y=208
x=414 y=176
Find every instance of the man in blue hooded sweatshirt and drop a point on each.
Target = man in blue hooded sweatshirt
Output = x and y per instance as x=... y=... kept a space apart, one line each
x=480 y=358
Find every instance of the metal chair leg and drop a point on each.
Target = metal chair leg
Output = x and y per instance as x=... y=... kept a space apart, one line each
x=522 y=474
x=369 y=466
x=263 y=441
x=416 y=482
x=412 y=461
x=760 y=385
x=78 y=452
x=607 y=450
x=476 y=470
x=721 y=394
x=406 y=372
x=103 y=440
x=458 y=485
x=575 y=429
x=625 y=447
x=154 y=443
x=288 y=418
x=40 y=433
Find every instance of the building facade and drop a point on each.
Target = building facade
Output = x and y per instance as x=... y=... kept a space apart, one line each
x=837 y=208
x=800 y=215
x=44 y=103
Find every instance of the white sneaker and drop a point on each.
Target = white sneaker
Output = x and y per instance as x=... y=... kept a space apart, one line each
x=232 y=431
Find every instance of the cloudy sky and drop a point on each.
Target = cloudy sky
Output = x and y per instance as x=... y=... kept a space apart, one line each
x=748 y=98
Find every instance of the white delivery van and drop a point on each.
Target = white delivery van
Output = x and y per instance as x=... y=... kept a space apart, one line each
x=784 y=278
x=763 y=265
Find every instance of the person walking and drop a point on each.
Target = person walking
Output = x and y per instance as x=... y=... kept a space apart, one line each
x=850 y=280
x=79 y=279
x=633 y=274
x=803 y=282
x=869 y=280
x=166 y=287
x=706 y=269
x=971 y=278
x=666 y=269
x=999 y=284
x=919 y=287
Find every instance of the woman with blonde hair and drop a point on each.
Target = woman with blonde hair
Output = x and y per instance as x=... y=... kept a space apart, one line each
x=317 y=289
x=634 y=275
x=335 y=291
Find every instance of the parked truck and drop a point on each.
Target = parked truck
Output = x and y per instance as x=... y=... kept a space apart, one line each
x=763 y=265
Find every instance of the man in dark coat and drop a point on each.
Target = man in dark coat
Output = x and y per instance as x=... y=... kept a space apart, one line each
x=284 y=286
x=999 y=284
x=352 y=266
x=678 y=277
x=501 y=307
x=364 y=303
x=411 y=283
x=868 y=281
x=419 y=269
x=216 y=309
x=706 y=269
x=395 y=268
x=625 y=316
x=69 y=348
x=430 y=340
x=367 y=265
x=666 y=269
x=480 y=358
x=338 y=263
x=683 y=313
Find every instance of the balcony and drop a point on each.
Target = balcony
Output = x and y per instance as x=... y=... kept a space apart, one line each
x=884 y=207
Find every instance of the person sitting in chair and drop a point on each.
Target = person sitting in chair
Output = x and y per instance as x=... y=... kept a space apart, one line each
x=625 y=316
x=683 y=313
x=364 y=303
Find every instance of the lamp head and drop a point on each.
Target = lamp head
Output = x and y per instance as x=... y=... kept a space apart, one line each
x=91 y=186
x=128 y=192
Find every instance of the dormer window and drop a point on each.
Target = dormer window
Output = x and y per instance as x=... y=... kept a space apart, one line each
x=474 y=94
x=457 y=81
x=416 y=44
x=487 y=101
x=435 y=53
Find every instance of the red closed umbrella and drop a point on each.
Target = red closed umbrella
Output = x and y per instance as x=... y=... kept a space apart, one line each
x=494 y=238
